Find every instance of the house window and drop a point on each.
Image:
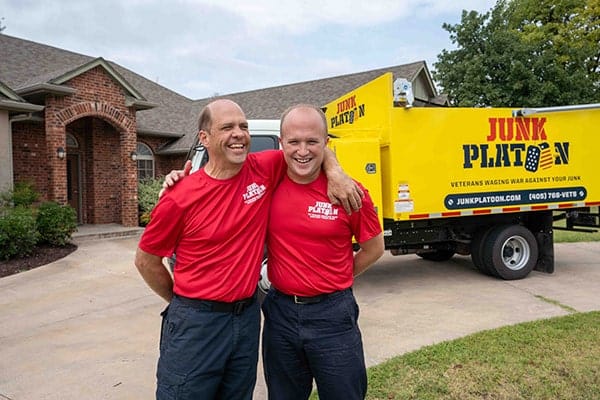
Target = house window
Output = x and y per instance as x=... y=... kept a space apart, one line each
x=71 y=141
x=145 y=161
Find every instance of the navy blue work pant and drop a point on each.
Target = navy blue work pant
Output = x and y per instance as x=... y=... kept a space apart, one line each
x=319 y=341
x=206 y=354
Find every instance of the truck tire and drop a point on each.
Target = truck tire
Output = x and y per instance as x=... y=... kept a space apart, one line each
x=477 y=245
x=436 y=255
x=510 y=251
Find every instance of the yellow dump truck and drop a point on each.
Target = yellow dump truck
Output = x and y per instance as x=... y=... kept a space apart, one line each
x=489 y=182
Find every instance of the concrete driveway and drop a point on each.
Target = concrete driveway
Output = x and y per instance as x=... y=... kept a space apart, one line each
x=86 y=327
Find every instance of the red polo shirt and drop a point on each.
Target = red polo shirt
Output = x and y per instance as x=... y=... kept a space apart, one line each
x=310 y=240
x=217 y=228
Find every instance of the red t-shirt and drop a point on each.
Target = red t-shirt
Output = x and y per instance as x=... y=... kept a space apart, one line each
x=310 y=240
x=217 y=229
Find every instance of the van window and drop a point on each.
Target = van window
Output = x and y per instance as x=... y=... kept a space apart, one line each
x=260 y=143
x=199 y=155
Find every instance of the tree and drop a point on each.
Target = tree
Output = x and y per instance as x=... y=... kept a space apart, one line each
x=524 y=53
x=2 y=27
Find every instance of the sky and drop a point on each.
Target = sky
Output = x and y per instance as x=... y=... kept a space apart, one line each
x=200 y=48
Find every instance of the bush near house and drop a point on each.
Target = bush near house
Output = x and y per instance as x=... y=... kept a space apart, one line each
x=23 y=195
x=56 y=223
x=148 y=197
x=18 y=233
x=25 y=224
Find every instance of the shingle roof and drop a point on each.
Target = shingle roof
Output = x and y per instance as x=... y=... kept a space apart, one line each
x=24 y=63
x=269 y=103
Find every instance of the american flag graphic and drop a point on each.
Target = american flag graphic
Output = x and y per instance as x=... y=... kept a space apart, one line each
x=538 y=157
x=545 y=156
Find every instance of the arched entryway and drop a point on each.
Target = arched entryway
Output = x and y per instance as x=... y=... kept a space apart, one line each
x=97 y=175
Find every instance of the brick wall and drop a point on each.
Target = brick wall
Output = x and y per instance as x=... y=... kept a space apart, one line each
x=169 y=163
x=29 y=156
x=106 y=129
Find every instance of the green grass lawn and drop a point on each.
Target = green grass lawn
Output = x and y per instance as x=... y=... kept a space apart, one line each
x=569 y=236
x=557 y=358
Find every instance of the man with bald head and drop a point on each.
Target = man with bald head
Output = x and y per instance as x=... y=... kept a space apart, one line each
x=311 y=316
x=215 y=220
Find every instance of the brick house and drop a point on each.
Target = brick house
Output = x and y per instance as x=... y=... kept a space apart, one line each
x=83 y=130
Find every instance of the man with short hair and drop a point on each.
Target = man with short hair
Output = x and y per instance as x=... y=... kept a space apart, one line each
x=311 y=316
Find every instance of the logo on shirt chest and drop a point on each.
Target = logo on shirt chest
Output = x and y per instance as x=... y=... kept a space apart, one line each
x=254 y=192
x=323 y=210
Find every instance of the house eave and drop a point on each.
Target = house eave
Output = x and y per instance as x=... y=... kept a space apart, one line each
x=171 y=152
x=153 y=133
x=140 y=105
x=99 y=62
x=18 y=106
x=46 y=88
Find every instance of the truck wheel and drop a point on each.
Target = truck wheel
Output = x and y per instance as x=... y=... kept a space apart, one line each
x=436 y=255
x=477 y=245
x=510 y=251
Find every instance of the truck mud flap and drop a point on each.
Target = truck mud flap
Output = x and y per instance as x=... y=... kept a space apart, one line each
x=545 y=261
x=541 y=224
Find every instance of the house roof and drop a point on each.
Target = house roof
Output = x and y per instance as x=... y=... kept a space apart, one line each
x=270 y=103
x=28 y=68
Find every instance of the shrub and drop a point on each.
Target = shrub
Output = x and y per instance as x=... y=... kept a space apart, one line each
x=18 y=233
x=148 y=197
x=23 y=194
x=56 y=223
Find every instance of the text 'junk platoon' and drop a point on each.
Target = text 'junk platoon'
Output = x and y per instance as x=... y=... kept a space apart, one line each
x=516 y=142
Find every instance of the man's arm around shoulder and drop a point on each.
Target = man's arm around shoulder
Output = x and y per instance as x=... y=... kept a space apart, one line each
x=341 y=189
x=174 y=176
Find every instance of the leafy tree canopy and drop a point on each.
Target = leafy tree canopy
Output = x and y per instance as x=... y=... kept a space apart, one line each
x=524 y=53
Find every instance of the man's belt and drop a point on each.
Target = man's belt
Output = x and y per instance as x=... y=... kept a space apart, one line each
x=236 y=307
x=308 y=300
